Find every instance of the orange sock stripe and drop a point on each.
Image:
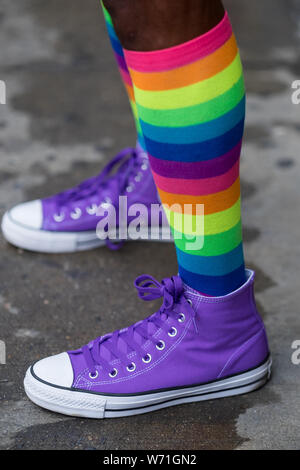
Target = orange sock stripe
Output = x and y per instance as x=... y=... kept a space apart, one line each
x=190 y=74
x=130 y=92
x=212 y=203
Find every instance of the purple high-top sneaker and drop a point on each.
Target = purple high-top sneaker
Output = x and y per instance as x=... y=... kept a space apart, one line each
x=67 y=221
x=194 y=348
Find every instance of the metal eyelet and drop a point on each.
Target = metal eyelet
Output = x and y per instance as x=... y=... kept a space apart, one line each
x=161 y=345
x=144 y=166
x=92 y=210
x=131 y=367
x=76 y=214
x=181 y=318
x=138 y=177
x=146 y=359
x=172 y=332
x=91 y=376
x=130 y=188
x=189 y=302
x=59 y=217
x=113 y=373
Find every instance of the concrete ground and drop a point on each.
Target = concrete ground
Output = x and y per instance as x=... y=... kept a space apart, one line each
x=66 y=115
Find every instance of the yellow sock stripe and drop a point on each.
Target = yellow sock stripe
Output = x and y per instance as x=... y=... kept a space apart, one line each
x=194 y=94
x=206 y=224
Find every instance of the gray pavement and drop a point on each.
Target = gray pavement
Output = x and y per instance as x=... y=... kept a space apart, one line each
x=66 y=115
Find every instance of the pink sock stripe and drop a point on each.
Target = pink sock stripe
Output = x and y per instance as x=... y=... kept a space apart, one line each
x=178 y=56
x=198 y=187
x=126 y=77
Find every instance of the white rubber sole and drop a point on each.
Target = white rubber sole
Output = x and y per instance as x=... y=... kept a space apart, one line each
x=43 y=241
x=92 y=405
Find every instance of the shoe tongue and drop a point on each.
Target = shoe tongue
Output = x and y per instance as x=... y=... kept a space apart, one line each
x=151 y=329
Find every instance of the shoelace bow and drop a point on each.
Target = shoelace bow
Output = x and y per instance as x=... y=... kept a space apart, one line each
x=92 y=185
x=171 y=290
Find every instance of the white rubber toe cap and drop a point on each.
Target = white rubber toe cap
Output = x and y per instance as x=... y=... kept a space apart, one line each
x=56 y=370
x=29 y=214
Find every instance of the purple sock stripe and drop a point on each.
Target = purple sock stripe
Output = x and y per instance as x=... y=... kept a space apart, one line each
x=197 y=170
x=194 y=187
x=121 y=62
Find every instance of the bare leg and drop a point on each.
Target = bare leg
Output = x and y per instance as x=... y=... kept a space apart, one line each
x=144 y=25
x=181 y=95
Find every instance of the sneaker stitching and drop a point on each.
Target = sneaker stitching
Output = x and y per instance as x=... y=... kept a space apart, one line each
x=147 y=369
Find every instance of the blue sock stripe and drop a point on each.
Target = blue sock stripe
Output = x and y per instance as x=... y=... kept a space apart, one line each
x=202 y=151
x=212 y=265
x=214 y=285
x=197 y=133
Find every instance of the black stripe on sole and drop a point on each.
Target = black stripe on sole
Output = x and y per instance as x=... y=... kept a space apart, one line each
x=264 y=379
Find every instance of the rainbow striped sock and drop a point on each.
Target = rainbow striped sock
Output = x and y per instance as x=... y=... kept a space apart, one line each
x=191 y=105
x=119 y=54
